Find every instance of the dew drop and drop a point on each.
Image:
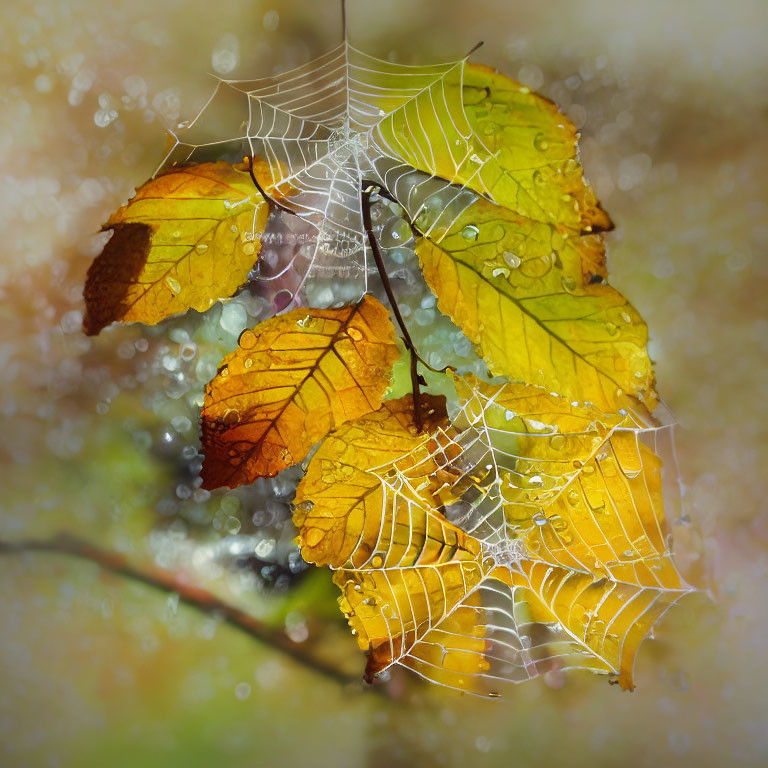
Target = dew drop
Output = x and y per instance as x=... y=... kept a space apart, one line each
x=557 y=442
x=470 y=232
x=512 y=259
x=540 y=142
x=173 y=285
x=201 y=247
x=247 y=339
x=231 y=417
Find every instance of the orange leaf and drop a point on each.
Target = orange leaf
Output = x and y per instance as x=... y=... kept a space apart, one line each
x=292 y=380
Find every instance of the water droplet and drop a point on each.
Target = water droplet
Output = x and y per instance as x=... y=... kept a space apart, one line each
x=500 y=272
x=173 y=285
x=249 y=248
x=611 y=329
x=313 y=537
x=568 y=283
x=540 y=142
x=247 y=339
x=354 y=334
x=395 y=233
x=377 y=561
x=201 y=247
x=470 y=232
x=511 y=259
x=231 y=417
x=557 y=442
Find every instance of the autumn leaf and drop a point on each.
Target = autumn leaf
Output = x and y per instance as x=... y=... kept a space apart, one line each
x=520 y=291
x=479 y=128
x=293 y=379
x=338 y=502
x=584 y=492
x=393 y=556
x=188 y=238
x=515 y=575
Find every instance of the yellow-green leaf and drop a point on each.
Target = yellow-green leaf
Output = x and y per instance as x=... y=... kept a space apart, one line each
x=524 y=297
x=479 y=128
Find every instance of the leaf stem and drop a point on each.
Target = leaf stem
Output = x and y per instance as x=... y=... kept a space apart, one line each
x=196 y=597
x=377 y=257
x=271 y=200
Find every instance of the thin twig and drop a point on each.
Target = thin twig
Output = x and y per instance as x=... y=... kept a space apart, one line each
x=271 y=200
x=377 y=257
x=479 y=45
x=196 y=597
x=387 y=195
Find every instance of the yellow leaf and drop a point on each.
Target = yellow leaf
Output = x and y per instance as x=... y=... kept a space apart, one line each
x=529 y=306
x=339 y=504
x=292 y=380
x=391 y=610
x=601 y=622
x=188 y=238
x=367 y=506
x=578 y=487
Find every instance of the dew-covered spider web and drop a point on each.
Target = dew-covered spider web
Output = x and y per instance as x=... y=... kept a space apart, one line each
x=574 y=562
x=327 y=127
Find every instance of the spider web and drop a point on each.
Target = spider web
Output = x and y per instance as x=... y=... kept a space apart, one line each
x=331 y=124
x=623 y=536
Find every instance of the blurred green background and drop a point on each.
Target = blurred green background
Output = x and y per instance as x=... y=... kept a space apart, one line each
x=99 y=437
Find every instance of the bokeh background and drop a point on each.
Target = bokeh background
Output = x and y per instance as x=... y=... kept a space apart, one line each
x=99 y=437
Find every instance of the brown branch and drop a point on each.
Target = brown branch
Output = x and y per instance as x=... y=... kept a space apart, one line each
x=270 y=200
x=409 y=345
x=191 y=595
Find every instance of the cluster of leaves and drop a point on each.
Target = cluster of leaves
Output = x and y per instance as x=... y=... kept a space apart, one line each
x=527 y=532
